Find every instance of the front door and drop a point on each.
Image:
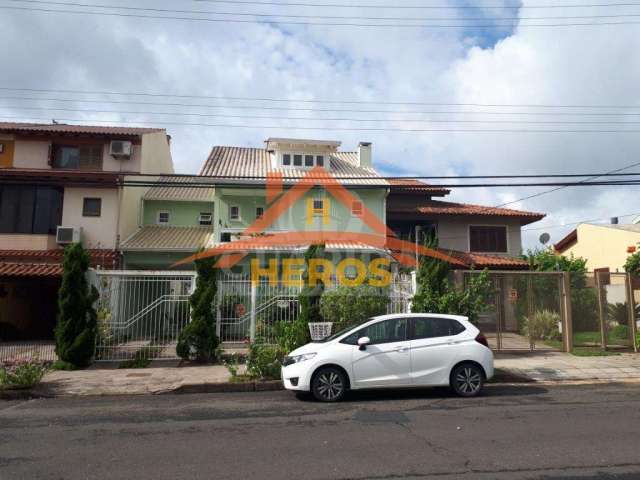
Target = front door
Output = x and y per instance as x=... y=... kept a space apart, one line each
x=386 y=360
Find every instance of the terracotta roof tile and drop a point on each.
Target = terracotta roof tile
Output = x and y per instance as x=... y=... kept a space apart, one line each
x=256 y=162
x=409 y=185
x=483 y=260
x=15 y=127
x=30 y=269
x=435 y=207
x=99 y=257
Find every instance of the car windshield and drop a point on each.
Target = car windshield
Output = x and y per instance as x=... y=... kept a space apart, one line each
x=342 y=331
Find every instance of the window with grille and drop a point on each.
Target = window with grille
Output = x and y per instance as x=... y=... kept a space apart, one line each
x=78 y=157
x=91 y=207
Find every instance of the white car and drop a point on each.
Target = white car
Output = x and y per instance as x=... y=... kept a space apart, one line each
x=402 y=350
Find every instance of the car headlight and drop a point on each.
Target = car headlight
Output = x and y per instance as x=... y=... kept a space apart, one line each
x=289 y=360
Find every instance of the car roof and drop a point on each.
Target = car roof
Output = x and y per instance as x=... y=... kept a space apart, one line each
x=418 y=315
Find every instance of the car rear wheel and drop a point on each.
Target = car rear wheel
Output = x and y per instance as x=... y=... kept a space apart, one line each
x=329 y=384
x=467 y=380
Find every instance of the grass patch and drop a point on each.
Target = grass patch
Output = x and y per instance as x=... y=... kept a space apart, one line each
x=241 y=378
x=592 y=352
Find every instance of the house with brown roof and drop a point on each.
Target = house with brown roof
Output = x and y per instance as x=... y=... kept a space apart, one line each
x=60 y=184
x=480 y=236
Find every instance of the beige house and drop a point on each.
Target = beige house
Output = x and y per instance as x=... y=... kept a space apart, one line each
x=603 y=246
x=61 y=184
x=480 y=236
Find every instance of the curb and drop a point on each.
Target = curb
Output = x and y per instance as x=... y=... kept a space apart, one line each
x=228 y=387
x=23 y=394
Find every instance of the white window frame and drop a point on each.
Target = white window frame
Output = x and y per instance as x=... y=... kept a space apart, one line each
x=231 y=217
x=325 y=158
x=161 y=212
x=506 y=231
x=205 y=214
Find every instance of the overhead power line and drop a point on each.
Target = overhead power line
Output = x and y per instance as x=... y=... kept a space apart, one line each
x=560 y=225
x=325 y=101
x=422 y=7
x=313 y=109
x=331 y=128
x=333 y=119
x=591 y=177
x=332 y=24
x=322 y=17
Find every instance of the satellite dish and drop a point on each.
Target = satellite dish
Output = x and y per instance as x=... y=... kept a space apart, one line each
x=544 y=238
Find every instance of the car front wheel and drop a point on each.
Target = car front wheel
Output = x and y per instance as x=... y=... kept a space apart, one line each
x=467 y=380
x=329 y=384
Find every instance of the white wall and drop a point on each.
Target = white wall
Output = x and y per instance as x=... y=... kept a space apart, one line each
x=156 y=154
x=97 y=232
x=453 y=233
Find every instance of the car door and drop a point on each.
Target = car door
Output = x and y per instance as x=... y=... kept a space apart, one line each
x=433 y=347
x=386 y=360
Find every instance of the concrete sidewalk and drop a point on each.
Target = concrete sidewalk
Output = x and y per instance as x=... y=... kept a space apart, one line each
x=135 y=381
x=557 y=366
x=167 y=377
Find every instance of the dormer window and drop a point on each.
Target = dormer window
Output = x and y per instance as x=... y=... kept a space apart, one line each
x=163 y=217
x=302 y=160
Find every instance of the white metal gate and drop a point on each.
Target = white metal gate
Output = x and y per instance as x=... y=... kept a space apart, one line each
x=140 y=313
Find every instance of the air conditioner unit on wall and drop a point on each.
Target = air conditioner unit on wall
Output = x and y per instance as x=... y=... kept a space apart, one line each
x=120 y=148
x=67 y=235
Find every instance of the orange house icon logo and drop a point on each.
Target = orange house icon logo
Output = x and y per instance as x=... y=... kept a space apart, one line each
x=256 y=237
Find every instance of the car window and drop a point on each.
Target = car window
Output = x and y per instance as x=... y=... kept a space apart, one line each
x=387 y=331
x=432 y=327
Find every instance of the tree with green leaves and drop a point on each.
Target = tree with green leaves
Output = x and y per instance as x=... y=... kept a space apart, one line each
x=76 y=328
x=198 y=340
x=632 y=265
x=584 y=299
x=292 y=335
x=436 y=293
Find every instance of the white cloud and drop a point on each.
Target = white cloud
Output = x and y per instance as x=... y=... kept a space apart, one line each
x=572 y=65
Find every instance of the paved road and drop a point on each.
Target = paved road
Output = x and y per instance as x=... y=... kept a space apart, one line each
x=528 y=431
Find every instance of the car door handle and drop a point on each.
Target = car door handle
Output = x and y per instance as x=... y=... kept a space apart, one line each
x=401 y=349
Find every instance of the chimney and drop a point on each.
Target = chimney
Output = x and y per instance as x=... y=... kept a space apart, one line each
x=614 y=220
x=364 y=155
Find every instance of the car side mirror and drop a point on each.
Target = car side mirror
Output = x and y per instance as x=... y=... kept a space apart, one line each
x=363 y=342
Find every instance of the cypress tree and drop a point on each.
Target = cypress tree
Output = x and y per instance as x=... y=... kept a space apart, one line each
x=198 y=340
x=76 y=328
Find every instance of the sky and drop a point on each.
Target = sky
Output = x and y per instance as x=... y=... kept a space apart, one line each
x=206 y=72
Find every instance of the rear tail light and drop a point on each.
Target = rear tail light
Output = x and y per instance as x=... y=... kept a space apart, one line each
x=482 y=339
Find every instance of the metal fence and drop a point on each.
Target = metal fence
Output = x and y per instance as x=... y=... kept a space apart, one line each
x=140 y=314
x=251 y=311
x=27 y=350
x=559 y=311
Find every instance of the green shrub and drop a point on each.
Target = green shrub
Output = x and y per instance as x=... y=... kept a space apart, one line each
x=543 y=325
x=22 y=375
x=198 y=340
x=264 y=361
x=437 y=294
x=76 y=328
x=345 y=306
x=62 y=365
x=291 y=335
x=142 y=358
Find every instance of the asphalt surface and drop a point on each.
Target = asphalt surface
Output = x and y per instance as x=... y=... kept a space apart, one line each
x=512 y=432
